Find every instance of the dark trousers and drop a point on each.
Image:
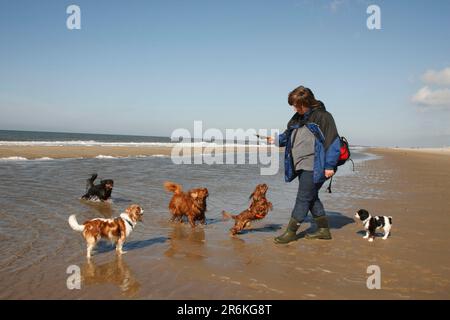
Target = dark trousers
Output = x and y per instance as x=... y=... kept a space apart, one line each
x=307 y=197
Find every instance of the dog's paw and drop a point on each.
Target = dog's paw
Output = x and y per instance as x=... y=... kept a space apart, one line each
x=365 y=237
x=370 y=239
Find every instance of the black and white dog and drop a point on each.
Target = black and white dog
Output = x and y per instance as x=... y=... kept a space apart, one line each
x=371 y=224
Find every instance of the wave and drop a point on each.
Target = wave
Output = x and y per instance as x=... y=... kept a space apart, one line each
x=13 y=159
x=25 y=159
x=132 y=157
x=93 y=143
x=97 y=157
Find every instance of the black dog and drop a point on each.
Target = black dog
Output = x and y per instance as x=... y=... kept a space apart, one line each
x=100 y=191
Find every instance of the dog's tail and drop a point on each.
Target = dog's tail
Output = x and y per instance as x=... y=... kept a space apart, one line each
x=390 y=219
x=227 y=215
x=74 y=224
x=90 y=181
x=173 y=187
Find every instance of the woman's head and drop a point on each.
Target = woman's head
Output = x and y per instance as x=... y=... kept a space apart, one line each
x=302 y=99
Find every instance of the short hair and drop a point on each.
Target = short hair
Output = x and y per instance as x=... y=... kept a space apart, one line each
x=302 y=96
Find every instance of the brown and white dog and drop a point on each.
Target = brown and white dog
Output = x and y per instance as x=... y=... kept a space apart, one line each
x=116 y=230
x=191 y=204
x=257 y=210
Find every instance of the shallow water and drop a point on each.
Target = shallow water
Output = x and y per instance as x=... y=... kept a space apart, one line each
x=164 y=260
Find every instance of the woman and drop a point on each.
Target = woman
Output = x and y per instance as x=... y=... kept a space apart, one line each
x=312 y=152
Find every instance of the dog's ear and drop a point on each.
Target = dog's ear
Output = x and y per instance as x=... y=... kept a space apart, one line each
x=136 y=208
x=134 y=211
x=194 y=195
x=363 y=214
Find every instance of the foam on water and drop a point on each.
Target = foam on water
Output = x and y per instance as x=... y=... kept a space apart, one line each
x=93 y=143
x=13 y=159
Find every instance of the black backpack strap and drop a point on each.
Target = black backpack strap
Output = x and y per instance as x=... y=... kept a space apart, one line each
x=329 y=185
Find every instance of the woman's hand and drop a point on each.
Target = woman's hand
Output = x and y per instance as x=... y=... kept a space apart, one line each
x=329 y=173
x=270 y=140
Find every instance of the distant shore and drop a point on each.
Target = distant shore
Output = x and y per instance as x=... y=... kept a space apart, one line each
x=445 y=150
x=62 y=152
x=66 y=152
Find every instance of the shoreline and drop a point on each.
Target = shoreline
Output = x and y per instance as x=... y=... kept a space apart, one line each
x=67 y=152
x=18 y=152
x=86 y=152
x=437 y=151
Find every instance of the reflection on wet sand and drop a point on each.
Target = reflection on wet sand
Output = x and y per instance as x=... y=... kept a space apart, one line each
x=104 y=208
x=114 y=272
x=186 y=242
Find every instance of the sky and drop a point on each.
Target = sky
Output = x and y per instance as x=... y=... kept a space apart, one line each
x=150 y=67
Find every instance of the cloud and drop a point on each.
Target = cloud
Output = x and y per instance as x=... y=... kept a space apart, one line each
x=437 y=77
x=432 y=98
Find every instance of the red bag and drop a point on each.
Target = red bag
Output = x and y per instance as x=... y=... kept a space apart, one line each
x=344 y=152
x=344 y=155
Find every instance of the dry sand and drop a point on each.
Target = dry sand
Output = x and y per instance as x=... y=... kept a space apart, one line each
x=442 y=151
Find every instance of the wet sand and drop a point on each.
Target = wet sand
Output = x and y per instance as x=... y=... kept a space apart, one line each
x=57 y=152
x=172 y=261
x=67 y=152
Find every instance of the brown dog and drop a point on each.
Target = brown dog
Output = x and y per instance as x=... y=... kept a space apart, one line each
x=116 y=230
x=191 y=204
x=258 y=209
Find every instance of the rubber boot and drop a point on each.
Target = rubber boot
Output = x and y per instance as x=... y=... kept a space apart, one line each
x=323 y=230
x=290 y=234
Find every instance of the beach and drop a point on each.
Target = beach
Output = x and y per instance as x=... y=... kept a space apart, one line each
x=85 y=152
x=442 y=151
x=66 y=152
x=173 y=261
